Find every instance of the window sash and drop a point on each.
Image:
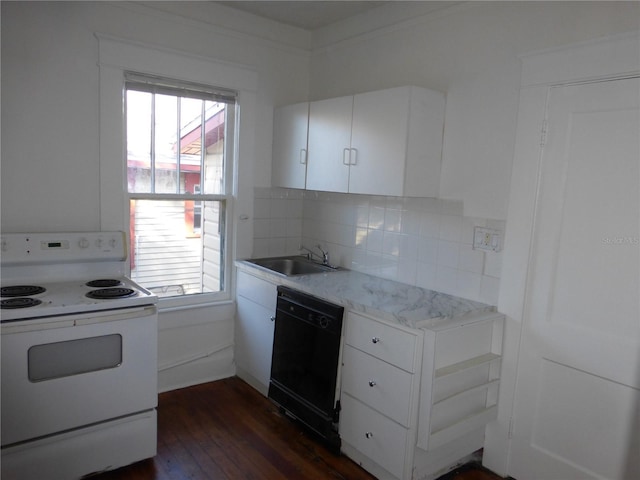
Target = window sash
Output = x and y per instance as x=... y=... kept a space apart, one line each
x=181 y=196
x=229 y=143
x=217 y=241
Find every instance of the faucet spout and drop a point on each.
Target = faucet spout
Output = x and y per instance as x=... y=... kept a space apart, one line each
x=324 y=257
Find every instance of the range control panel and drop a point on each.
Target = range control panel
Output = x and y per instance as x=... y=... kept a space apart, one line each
x=43 y=248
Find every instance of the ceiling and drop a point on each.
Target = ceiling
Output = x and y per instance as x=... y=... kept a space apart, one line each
x=306 y=14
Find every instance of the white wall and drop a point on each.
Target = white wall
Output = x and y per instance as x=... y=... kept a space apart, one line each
x=50 y=130
x=470 y=52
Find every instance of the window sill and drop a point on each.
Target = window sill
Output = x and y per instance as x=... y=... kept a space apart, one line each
x=190 y=302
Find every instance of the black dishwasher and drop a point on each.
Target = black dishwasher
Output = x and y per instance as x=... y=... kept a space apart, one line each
x=304 y=367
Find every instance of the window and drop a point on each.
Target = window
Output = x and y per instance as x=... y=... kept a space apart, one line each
x=179 y=146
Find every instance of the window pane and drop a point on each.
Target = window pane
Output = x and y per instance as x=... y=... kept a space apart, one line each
x=166 y=179
x=138 y=105
x=169 y=253
x=190 y=143
x=215 y=130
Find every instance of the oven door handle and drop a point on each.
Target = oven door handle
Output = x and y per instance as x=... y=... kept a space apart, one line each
x=77 y=319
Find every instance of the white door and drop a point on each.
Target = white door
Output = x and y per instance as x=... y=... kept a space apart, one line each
x=576 y=413
x=329 y=143
x=290 y=145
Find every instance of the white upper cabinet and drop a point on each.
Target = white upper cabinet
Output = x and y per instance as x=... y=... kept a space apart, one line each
x=290 y=126
x=329 y=143
x=387 y=142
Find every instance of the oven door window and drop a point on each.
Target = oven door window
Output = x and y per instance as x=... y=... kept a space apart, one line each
x=74 y=357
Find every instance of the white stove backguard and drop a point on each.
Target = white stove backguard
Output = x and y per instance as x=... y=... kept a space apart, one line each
x=62 y=256
x=63 y=263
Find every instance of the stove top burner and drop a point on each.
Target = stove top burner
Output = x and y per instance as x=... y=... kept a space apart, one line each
x=19 y=302
x=104 y=282
x=109 y=293
x=21 y=290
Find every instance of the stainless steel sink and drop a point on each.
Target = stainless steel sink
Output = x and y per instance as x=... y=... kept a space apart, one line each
x=292 y=265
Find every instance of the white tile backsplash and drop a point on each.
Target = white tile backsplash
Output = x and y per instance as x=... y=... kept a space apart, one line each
x=450 y=228
x=430 y=224
x=420 y=241
x=471 y=260
x=448 y=253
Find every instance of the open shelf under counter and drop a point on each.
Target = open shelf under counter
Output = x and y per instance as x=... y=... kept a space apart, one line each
x=462 y=427
x=484 y=359
x=460 y=378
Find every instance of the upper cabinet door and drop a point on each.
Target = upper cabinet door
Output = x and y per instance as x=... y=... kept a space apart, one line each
x=329 y=143
x=379 y=141
x=290 y=127
x=396 y=142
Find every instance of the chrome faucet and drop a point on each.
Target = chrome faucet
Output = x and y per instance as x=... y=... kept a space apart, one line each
x=311 y=254
x=325 y=255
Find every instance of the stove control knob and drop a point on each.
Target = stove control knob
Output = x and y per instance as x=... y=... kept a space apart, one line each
x=99 y=243
x=113 y=242
x=83 y=243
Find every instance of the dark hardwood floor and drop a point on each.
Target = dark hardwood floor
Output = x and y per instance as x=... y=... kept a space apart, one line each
x=226 y=430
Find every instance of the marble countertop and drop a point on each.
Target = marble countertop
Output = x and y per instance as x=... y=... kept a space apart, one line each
x=395 y=302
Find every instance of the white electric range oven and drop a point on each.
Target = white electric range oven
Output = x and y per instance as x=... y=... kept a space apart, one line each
x=79 y=357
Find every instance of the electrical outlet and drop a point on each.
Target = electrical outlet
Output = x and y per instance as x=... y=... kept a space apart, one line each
x=488 y=239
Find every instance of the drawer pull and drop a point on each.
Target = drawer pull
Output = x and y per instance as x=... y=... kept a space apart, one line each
x=372 y=383
x=375 y=340
x=369 y=434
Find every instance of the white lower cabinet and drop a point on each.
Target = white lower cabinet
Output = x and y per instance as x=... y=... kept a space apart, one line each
x=256 y=303
x=415 y=401
x=380 y=395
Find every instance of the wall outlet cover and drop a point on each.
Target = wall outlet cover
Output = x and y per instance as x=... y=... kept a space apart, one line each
x=488 y=239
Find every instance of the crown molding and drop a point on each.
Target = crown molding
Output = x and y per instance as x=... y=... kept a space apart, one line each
x=382 y=21
x=226 y=21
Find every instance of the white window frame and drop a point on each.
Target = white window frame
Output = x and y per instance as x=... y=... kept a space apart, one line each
x=119 y=56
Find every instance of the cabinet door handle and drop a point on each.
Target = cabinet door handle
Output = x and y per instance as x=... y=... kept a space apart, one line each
x=273 y=318
x=372 y=383
x=303 y=156
x=375 y=340
x=346 y=156
x=369 y=434
x=354 y=157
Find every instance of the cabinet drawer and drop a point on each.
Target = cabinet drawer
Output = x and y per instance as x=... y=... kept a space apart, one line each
x=383 y=341
x=374 y=435
x=378 y=384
